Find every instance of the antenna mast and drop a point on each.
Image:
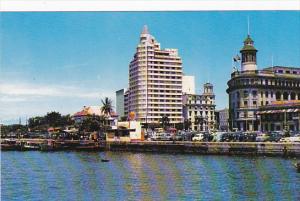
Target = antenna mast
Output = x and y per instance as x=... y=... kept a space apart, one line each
x=248 y=22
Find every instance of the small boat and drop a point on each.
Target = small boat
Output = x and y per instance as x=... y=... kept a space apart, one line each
x=30 y=146
x=104 y=160
x=9 y=144
x=297 y=165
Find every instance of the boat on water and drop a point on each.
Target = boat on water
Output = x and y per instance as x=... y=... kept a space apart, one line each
x=9 y=145
x=104 y=160
x=30 y=146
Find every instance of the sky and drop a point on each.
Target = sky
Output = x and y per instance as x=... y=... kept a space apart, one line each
x=62 y=61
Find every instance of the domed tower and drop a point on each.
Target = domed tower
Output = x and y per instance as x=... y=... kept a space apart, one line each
x=248 y=55
x=208 y=89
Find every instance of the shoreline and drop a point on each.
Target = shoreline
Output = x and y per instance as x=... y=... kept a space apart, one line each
x=285 y=149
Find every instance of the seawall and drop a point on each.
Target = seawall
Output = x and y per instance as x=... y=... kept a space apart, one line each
x=205 y=148
x=209 y=148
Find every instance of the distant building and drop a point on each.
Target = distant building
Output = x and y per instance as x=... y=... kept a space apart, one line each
x=222 y=117
x=251 y=89
x=126 y=103
x=155 y=82
x=200 y=109
x=125 y=132
x=188 y=84
x=120 y=102
x=89 y=111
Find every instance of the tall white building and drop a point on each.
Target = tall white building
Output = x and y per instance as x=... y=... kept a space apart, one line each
x=155 y=82
x=188 y=84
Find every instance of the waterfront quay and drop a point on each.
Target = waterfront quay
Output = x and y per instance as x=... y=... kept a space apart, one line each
x=205 y=148
x=209 y=148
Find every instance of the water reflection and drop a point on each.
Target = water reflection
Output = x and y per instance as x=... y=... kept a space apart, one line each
x=145 y=176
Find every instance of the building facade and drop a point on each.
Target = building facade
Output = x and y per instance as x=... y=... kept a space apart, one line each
x=280 y=115
x=250 y=89
x=200 y=109
x=155 y=82
x=222 y=117
x=120 y=102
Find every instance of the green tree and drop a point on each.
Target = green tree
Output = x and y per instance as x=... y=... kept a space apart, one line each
x=187 y=124
x=90 y=124
x=36 y=123
x=179 y=126
x=106 y=107
x=66 y=120
x=165 y=122
x=53 y=119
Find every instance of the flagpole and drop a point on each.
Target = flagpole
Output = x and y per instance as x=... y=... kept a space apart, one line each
x=248 y=25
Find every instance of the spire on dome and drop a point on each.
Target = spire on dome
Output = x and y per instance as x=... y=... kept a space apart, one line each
x=145 y=30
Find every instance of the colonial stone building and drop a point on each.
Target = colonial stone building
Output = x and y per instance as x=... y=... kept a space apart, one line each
x=280 y=115
x=250 y=89
x=200 y=109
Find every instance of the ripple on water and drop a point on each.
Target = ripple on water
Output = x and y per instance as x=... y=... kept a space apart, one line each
x=145 y=176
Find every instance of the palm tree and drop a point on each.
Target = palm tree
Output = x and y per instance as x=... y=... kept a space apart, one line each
x=106 y=108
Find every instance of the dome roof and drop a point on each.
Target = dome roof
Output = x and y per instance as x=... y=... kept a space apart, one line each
x=248 y=44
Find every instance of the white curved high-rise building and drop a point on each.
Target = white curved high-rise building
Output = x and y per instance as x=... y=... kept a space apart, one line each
x=155 y=82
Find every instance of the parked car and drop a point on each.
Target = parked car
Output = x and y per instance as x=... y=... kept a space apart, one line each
x=207 y=137
x=166 y=137
x=250 y=136
x=187 y=136
x=198 y=137
x=217 y=137
x=275 y=136
x=263 y=137
x=156 y=136
x=178 y=137
x=295 y=138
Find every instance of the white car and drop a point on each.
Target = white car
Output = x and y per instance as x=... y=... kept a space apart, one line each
x=295 y=138
x=198 y=137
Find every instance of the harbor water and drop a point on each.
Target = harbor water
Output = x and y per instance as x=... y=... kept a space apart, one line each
x=35 y=175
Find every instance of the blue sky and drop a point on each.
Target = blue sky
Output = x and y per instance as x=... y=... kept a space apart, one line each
x=61 y=61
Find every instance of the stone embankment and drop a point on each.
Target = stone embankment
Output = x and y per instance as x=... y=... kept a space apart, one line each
x=213 y=148
x=206 y=148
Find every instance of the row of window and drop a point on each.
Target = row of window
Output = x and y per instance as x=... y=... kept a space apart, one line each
x=201 y=113
x=265 y=82
x=201 y=108
x=165 y=72
x=165 y=77
x=279 y=116
x=278 y=95
x=287 y=72
x=165 y=91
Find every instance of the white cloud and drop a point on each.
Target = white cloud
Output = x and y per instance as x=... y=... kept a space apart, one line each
x=22 y=92
x=27 y=100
